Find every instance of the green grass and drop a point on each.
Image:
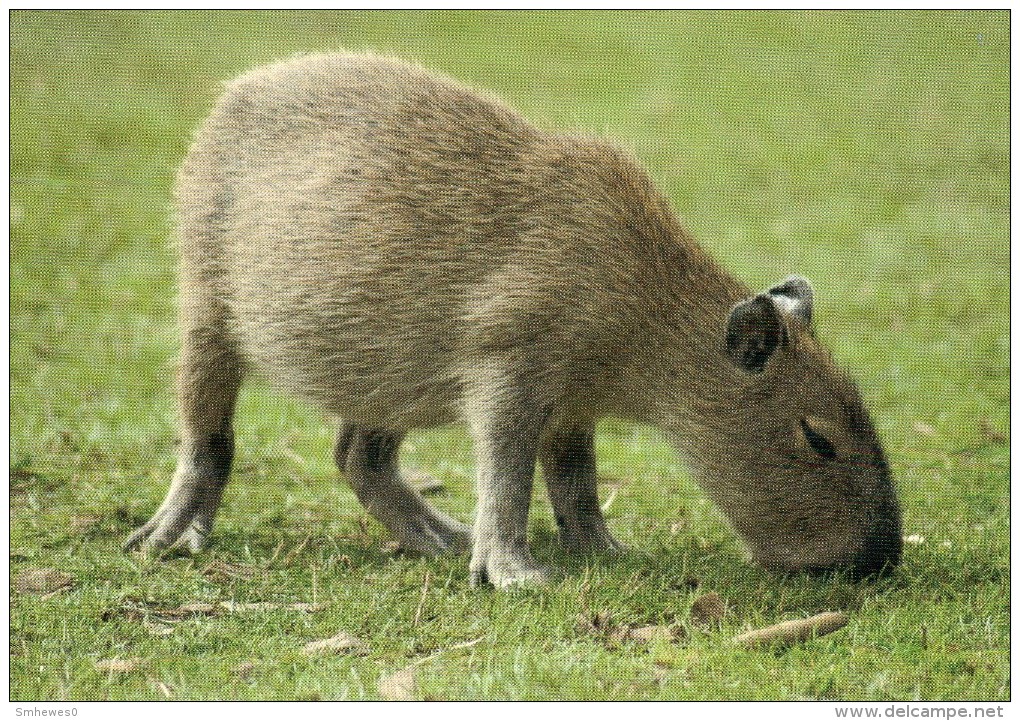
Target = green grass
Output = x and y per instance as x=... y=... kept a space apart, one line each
x=868 y=151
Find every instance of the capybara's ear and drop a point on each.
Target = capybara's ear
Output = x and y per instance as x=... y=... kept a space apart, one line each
x=795 y=297
x=754 y=330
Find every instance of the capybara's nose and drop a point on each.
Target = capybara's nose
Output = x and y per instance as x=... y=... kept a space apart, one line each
x=881 y=553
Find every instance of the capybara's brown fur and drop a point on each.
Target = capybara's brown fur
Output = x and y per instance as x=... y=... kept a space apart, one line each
x=404 y=252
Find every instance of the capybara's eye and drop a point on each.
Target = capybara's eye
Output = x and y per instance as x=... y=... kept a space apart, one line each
x=819 y=443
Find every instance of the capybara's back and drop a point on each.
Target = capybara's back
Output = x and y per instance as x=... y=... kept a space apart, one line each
x=404 y=252
x=341 y=209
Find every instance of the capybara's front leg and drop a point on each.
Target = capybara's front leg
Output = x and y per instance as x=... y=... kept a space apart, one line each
x=568 y=464
x=506 y=429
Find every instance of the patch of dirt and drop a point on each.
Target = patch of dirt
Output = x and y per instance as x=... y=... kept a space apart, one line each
x=399 y=686
x=232 y=607
x=84 y=525
x=147 y=612
x=648 y=634
x=990 y=434
x=608 y=632
x=708 y=609
x=342 y=643
x=42 y=581
x=244 y=670
x=119 y=665
x=219 y=571
x=599 y=623
x=23 y=480
x=690 y=583
x=157 y=629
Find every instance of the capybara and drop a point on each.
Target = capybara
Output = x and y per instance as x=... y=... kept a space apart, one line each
x=404 y=252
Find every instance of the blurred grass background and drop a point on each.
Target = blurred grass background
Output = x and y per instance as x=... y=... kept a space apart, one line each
x=867 y=150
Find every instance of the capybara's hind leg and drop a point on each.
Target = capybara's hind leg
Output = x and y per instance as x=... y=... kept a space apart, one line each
x=368 y=457
x=210 y=375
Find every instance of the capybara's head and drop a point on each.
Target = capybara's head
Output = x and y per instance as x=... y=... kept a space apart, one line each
x=790 y=453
